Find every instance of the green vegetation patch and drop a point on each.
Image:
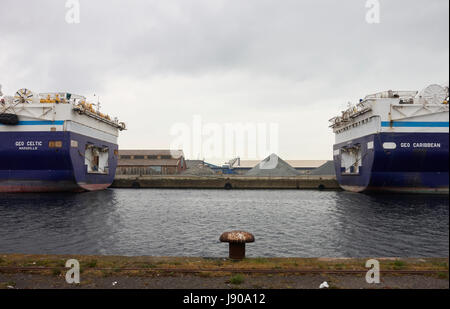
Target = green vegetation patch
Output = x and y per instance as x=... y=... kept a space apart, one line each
x=237 y=279
x=258 y=261
x=91 y=264
x=399 y=264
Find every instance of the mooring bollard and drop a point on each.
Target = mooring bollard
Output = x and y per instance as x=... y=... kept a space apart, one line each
x=237 y=240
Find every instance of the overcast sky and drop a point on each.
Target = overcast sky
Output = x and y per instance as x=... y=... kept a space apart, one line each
x=157 y=63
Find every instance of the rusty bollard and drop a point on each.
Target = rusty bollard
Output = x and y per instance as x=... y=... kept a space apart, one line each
x=237 y=240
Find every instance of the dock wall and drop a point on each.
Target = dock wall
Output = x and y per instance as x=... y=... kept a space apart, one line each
x=227 y=182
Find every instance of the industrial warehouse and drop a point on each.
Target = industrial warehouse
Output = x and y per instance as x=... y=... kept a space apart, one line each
x=172 y=162
x=150 y=162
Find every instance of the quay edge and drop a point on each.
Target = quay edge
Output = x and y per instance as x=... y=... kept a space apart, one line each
x=227 y=182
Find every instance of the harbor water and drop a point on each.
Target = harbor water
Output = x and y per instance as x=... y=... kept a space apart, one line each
x=166 y=222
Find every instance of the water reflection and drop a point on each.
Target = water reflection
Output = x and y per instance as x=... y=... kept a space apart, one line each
x=189 y=223
x=58 y=222
x=390 y=225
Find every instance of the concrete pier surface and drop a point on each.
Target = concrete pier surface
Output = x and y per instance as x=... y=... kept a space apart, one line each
x=19 y=271
x=227 y=182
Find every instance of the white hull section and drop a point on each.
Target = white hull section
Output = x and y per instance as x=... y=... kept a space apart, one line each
x=75 y=127
x=60 y=117
x=433 y=122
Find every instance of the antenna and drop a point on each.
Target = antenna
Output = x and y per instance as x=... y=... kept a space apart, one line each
x=98 y=102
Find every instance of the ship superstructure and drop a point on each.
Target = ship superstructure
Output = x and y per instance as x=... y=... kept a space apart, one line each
x=394 y=141
x=55 y=142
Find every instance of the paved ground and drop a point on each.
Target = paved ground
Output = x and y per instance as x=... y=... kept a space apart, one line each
x=39 y=281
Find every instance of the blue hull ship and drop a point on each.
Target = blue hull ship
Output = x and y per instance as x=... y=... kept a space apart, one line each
x=394 y=141
x=55 y=142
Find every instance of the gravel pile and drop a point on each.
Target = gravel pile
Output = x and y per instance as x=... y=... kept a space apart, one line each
x=198 y=170
x=273 y=166
x=326 y=169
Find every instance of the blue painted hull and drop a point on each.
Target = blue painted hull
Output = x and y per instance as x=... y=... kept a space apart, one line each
x=34 y=166
x=418 y=164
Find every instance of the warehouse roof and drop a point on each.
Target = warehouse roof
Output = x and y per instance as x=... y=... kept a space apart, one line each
x=152 y=152
x=147 y=162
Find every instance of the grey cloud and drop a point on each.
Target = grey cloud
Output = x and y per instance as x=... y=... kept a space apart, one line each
x=292 y=39
x=322 y=49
